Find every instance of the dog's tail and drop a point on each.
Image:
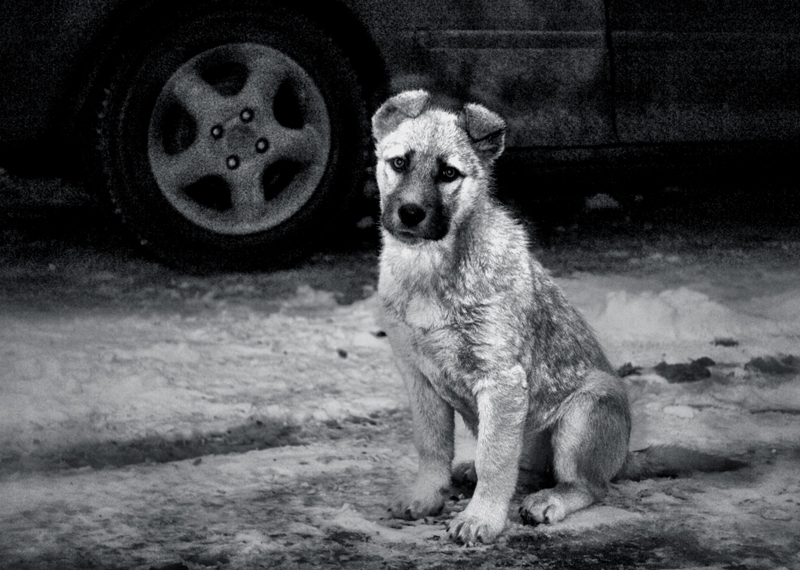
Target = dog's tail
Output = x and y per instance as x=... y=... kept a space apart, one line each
x=672 y=461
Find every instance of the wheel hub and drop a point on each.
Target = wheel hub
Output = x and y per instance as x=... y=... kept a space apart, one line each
x=239 y=140
x=244 y=159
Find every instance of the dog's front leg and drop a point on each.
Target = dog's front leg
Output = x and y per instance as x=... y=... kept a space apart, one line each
x=502 y=408
x=433 y=438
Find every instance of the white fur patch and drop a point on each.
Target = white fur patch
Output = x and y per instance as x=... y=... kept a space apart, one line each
x=425 y=313
x=393 y=151
x=455 y=161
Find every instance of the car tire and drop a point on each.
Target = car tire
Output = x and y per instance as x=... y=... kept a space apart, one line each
x=230 y=137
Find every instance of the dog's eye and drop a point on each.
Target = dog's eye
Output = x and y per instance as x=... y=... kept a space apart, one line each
x=398 y=163
x=448 y=174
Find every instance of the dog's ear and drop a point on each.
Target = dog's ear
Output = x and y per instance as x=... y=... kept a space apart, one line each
x=406 y=105
x=486 y=130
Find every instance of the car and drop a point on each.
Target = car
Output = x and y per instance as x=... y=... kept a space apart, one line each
x=235 y=133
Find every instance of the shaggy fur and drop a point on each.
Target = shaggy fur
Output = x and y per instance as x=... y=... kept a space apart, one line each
x=478 y=328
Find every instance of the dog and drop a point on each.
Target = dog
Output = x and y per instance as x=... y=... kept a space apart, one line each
x=477 y=327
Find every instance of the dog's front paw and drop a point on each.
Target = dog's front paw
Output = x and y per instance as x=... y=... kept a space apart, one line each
x=467 y=528
x=412 y=508
x=543 y=507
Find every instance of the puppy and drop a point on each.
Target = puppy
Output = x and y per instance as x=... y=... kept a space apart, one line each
x=478 y=328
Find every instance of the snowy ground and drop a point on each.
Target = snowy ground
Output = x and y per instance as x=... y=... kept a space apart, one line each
x=150 y=419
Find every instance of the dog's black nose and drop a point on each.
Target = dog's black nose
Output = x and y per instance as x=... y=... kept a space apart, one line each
x=411 y=214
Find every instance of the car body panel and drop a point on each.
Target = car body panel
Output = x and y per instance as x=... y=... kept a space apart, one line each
x=45 y=50
x=706 y=70
x=51 y=51
x=565 y=74
x=544 y=65
x=551 y=86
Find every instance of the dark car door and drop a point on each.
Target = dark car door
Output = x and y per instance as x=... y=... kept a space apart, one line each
x=718 y=70
x=543 y=64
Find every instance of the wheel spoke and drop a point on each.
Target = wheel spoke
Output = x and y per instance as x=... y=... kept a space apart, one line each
x=304 y=145
x=247 y=196
x=267 y=73
x=197 y=96
x=175 y=172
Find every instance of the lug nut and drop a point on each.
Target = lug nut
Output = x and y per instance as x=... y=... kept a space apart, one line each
x=262 y=145
x=216 y=131
x=246 y=115
x=232 y=161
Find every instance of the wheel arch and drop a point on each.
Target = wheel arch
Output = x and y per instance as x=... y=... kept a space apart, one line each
x=78 y=107
x=345 y=27
x=127 y=82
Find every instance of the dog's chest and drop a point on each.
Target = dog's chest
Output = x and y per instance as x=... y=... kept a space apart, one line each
x=423 y=313
x=438 y=339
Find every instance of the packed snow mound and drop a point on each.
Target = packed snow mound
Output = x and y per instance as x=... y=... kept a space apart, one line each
x=679 y=314
x=682 y=323
x=685 y=314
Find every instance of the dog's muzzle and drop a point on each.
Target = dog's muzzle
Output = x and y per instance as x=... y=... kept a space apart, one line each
x=412 y=222
x=411 y=215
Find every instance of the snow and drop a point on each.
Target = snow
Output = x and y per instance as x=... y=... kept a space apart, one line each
x=123 y=375
x=102 y=376
x=681 y=322
x=106 y=377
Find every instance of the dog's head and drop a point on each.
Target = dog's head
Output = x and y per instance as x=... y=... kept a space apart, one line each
x=432 y=164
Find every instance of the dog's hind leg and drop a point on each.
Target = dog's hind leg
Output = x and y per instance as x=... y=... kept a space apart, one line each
x=589 y=443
